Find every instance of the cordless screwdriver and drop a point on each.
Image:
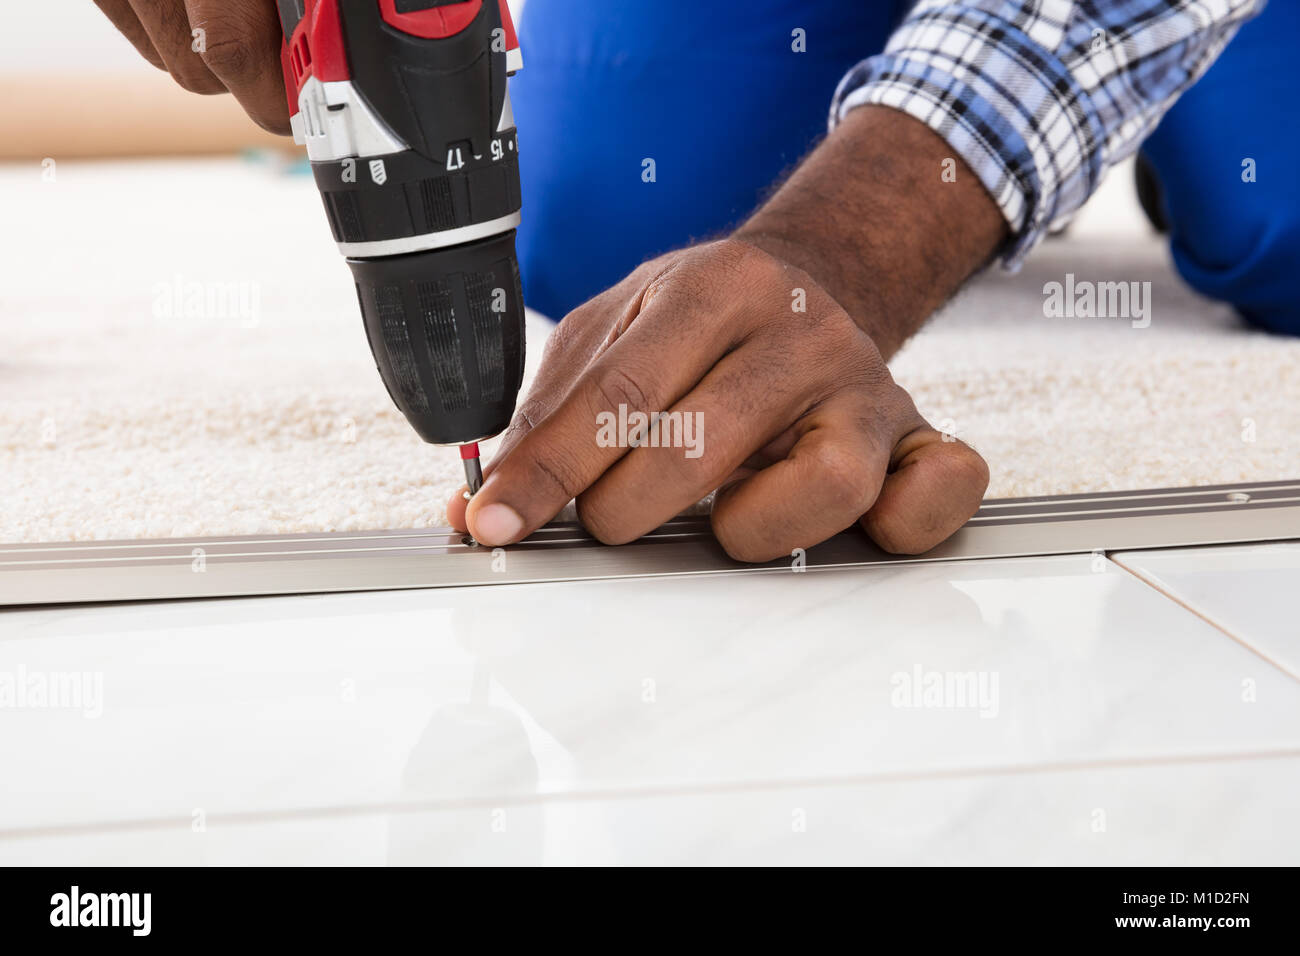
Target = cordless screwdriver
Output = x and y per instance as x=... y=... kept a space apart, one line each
x=404 y=108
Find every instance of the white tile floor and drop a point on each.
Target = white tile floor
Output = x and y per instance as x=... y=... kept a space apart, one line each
x=1063 y=711
x=1248 y=591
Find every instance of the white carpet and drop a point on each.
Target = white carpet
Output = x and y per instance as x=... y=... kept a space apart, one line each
x=118 y=421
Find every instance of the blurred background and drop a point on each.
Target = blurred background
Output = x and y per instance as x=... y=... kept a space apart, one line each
x=74 y=87
x=61 y=59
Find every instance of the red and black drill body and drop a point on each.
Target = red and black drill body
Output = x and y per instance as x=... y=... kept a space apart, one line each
x=404 y=108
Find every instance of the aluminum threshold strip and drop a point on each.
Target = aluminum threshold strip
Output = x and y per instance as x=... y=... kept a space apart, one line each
x=438 y=557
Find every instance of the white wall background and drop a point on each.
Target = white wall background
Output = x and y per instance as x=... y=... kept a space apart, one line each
x=58 y=36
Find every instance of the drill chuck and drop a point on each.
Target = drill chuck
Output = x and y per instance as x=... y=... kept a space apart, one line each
x=446 y=328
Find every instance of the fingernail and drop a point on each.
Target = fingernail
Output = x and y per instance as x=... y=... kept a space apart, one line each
x=497 y=524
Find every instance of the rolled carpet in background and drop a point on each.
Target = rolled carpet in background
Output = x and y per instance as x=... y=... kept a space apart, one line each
x=140 y=112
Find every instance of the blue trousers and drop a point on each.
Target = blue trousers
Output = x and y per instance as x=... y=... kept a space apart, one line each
x=645 y=126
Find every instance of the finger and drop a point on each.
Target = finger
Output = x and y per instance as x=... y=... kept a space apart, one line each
x=240 y=44
x=933 y=488
x=672 y=343
x=748 y=399
x=570 y=348
x=831 y=476
x=583 y=335
x=121 y=15
x=168 y=25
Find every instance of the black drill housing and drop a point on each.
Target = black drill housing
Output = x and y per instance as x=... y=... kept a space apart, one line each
x=445 y=324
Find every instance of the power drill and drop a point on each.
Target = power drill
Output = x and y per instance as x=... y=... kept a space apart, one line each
x=404 y=109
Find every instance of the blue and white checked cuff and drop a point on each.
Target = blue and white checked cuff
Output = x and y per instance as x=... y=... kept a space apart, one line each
x=1041 y=97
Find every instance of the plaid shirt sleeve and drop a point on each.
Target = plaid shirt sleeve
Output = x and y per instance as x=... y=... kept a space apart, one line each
x=1041 y=97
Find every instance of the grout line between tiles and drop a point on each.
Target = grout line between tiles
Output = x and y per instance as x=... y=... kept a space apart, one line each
x=1214 y=622
x=530 y=799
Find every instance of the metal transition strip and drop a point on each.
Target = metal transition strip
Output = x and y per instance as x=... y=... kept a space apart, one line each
x=438 y=557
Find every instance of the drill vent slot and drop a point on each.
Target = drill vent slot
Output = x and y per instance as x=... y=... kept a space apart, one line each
x=439 y=317
x=397 y=343
x=519 y=297
x=480 y=288
x=439 y=210
x=344 y=216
